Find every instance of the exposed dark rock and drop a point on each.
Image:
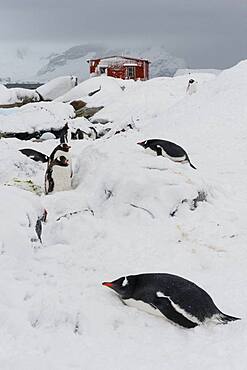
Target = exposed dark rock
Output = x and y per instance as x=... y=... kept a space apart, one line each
x=193 y=204
x=33 y=135
x=38 y=226
x=129 y=126
x=94 y=92
x=102 y=121
x=19 y=104
x=143 y=209
x=67 y=215
x=87 y=112
x=78 y=104
x=201 y=197
x=108 y=193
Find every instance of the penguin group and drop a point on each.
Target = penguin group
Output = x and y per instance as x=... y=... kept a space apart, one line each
x=179 y=300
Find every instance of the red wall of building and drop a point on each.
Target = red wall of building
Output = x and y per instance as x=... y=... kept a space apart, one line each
x=120 y=71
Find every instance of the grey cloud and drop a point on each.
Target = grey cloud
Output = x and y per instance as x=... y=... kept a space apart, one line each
x=205 y=33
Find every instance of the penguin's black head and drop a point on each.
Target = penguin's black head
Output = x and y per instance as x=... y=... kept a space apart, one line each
x=64 y=147
x=61 y=161
x=191 y=81
x=123 y=286
x=144 y=144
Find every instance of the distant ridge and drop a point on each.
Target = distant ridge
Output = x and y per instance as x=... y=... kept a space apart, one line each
x=36 y=64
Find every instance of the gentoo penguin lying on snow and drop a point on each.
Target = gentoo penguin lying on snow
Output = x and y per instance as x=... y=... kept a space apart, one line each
x=167 y=149
x=178 y=299
x=57 y=176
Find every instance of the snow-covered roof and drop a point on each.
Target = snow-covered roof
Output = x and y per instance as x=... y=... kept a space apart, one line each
x=119 y=56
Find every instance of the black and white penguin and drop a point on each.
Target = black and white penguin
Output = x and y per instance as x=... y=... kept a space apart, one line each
x=62 y=150
x=179 y=300
x=192 y=87
x=167 y=149
x=64 y=134
x=57 y=176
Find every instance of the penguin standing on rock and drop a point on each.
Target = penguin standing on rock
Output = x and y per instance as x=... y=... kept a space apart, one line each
x=57 y=176
x=179 y=300
x=167 y=149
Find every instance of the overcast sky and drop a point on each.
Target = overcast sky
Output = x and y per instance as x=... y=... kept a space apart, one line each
x=206 y=33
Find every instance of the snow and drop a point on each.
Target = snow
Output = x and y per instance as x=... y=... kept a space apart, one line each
x=109 y=90
x=188 y=71
x=116 y=221
x=16 y=95
x=57 y=87
x=145 y=100
x=36 y=116
x=20 y=210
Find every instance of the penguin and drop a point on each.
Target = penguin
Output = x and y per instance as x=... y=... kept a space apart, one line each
x=179 y=300
x=93 y=134
x=63 y=135
x=62 y=150
x=167 y=149
x=192 y=87
x=57 y=176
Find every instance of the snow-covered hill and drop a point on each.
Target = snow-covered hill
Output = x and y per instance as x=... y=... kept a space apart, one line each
x=24 y=64
x=127 y=213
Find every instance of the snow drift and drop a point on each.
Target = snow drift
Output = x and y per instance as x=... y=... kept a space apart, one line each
x=126 y=214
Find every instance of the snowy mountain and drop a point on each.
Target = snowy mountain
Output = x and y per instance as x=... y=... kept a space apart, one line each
x=26 y=64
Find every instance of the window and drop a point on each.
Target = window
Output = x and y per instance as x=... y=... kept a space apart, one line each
x=131 y=72
x=102 y=70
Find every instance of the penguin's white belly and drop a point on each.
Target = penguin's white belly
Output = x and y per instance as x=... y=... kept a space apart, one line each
x=151 y=152
x=192 y=88
x=140 y=305
x=61 y=178
x=67 y=155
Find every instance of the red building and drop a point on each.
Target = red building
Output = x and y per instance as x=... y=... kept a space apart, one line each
x=120 y=67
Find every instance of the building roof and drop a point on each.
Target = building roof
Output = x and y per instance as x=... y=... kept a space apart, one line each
x=118 y=56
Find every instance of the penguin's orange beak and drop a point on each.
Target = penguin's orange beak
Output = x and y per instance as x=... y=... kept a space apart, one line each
x=140 y=143
x=110 y=285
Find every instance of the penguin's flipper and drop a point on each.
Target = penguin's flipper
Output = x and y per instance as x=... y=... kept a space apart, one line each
x=167 y=309
x=35 y=155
